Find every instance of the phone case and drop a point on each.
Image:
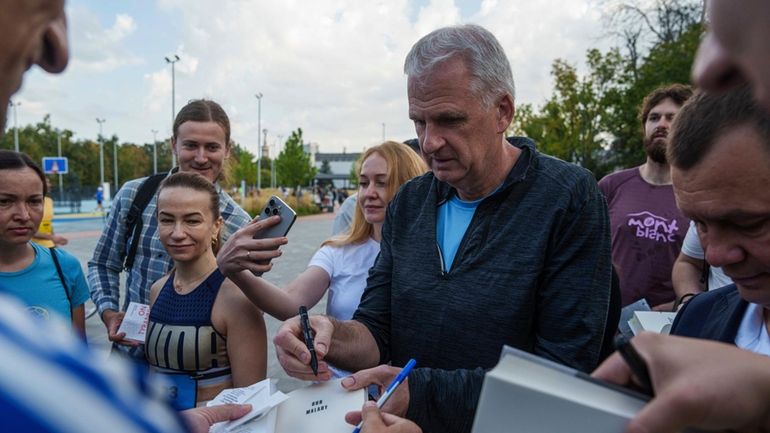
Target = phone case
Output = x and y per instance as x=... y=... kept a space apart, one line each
x=276 y=206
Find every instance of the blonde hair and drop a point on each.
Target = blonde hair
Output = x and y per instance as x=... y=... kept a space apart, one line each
x=403 y=165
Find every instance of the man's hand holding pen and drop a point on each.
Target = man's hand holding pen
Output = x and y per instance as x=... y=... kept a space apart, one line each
x=293 y=353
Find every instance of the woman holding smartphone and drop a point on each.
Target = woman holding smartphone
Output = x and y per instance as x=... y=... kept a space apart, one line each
x=342 y=264
x=203 y=333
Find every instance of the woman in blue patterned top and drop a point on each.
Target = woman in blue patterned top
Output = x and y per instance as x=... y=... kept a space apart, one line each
x=203 y=334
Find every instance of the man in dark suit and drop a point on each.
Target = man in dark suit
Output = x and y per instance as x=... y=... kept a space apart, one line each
x=720 y=154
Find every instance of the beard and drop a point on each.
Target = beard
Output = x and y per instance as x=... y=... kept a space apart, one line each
x=655 y=148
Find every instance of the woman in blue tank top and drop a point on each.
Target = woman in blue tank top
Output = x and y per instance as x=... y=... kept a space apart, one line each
x=203 y=333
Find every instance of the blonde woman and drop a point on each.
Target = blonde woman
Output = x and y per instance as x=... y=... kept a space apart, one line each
x=342 y=264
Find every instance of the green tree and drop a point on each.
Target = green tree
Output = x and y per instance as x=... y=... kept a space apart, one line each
x=242 y=167
x=326 y=168
x=355 y=169
x=592 y=120
x=570 y=124
x=293 y=164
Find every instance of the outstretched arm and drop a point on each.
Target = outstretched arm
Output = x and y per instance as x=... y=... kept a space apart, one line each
x=306 y=289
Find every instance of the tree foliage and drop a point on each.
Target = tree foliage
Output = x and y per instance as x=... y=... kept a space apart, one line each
x=293 y=165
x=592 y=119
x=134 y=161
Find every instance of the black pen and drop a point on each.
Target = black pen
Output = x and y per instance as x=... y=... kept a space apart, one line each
x=635 y=363
x=308 y=334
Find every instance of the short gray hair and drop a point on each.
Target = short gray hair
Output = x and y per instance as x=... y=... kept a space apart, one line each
x=480 y=50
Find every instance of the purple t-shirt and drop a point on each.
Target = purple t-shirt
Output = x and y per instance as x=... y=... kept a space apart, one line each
x=647 y=233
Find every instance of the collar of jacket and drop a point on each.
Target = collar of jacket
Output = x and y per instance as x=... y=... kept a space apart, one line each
x=517 y=174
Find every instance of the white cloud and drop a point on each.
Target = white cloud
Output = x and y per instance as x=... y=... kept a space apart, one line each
x=96 y=48
x=331 y=67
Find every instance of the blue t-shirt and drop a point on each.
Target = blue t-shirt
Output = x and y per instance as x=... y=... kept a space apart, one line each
x=39 y=287
x=454 y=217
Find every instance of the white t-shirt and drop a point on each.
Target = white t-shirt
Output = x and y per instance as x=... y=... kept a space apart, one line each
x=752 y=333
x=692 y=247
x=348 y=268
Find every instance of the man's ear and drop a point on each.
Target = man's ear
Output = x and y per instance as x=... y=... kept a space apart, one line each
x=505 y=113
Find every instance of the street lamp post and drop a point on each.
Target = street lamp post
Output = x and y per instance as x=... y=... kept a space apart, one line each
x=173 y=59
x=383 y=132
x=58 y=148
x=101 y=152
x=259 y=146
x=115 y=165
x=15 y=125
x=264 y=141
x=154 y=151
x=273 y=177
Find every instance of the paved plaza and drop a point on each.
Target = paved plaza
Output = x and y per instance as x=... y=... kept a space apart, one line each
x=304 y=239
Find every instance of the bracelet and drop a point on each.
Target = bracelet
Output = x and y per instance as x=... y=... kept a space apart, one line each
x=682 y=300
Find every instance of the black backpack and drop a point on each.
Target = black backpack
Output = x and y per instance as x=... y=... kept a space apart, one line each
x=134 y=218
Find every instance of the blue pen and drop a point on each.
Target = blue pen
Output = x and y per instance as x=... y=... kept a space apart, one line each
x=391 y=388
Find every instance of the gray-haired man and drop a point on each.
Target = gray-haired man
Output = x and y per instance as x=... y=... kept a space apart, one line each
x=499 y=244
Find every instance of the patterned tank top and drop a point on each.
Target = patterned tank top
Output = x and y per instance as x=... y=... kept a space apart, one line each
x=181 y=337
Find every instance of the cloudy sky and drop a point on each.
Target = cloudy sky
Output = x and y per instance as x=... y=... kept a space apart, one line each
x=331 y=67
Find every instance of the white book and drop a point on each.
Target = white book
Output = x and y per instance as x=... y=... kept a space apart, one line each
x=135 y=321
x=528 y=394
x=320 y=408
x=654 y=321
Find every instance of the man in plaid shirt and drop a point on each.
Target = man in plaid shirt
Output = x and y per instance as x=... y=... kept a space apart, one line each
x=201 y=143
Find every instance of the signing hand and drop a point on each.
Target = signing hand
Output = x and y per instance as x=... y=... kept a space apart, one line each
x=293 y=354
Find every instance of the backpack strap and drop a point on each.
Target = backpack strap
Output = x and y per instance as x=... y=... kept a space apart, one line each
x=56 y=263
x=134 y=218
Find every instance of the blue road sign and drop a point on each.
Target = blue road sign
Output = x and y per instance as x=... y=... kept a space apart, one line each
x=55 y=165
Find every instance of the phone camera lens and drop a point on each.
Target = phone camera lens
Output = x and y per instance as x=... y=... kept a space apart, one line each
x=272 y=202
x=275 y=211
x=267 y=211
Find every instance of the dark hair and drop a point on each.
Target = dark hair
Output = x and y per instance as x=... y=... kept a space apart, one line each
x=196 y=182
x=679 y=93
x=414 y=144
x=707 y=116
x=203 y=110
x=10 y=160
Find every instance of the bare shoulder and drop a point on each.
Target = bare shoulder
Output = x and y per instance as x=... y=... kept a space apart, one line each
x=233 y=299
x=156 y=286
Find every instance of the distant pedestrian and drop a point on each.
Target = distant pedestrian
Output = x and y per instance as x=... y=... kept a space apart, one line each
x=99 y=196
